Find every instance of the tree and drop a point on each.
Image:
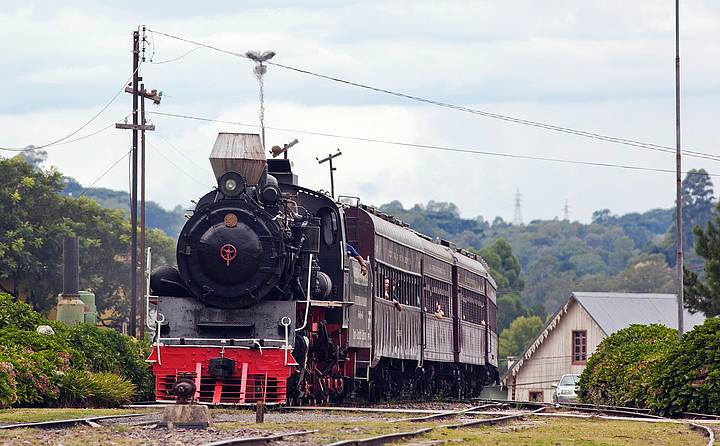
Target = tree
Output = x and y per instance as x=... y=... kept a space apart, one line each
x=698 y=209
x=704 y=295
x=34 y=221
x=518 y=336
x=504 y=265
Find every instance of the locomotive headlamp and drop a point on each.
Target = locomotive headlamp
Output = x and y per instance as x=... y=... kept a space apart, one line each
x=231 y=184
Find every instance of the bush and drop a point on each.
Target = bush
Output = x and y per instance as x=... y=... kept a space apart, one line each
x=619 y=372
x=688 y=378
x=8 y=386
x=80 y=388
x=39 y=364
x=36 y=374
x=107 y=350
x=18 y=314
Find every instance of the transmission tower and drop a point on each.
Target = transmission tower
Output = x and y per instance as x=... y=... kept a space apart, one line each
x=566 y=211
x=517 y=218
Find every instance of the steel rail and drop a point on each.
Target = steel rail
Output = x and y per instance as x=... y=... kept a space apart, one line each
x=494 y=421
x=386 y=438
x=363 y=409
x=381 y=439
x=245 y=441
x=70 y=422
x=706 y=431
x=446 y=414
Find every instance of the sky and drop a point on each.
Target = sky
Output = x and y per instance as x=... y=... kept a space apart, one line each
x=605 y=67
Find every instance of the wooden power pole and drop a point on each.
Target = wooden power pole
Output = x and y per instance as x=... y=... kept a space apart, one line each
x=329 y=159
x=137 y=94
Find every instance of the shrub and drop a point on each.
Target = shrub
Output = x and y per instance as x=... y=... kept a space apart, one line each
x=619 y=372
x=107 y=350
x=8 y=389
x=688 y=378
x=38 y=364
x=18 y=314
x=80 y=388
x=35 y=374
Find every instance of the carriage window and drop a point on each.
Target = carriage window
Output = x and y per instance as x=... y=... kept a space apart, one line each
x=328 y=226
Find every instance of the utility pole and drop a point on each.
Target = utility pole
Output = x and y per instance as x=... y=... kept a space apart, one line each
x=678 y=191
x=155 y=96
x=136 y=95
x=566 y=211
x=332 y=169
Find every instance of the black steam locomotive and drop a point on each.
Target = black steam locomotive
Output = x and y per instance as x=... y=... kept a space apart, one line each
x=267 y=305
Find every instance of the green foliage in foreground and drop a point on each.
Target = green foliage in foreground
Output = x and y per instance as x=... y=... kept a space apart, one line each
x=619 y=372
x=647 y=366
x=83 y=389
x=77 y=365
x=688 y=377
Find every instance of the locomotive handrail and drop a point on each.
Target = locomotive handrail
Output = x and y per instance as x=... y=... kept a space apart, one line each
x=307 y=296
x=248 y=340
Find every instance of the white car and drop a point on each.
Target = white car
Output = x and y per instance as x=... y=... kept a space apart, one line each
x=566 y=389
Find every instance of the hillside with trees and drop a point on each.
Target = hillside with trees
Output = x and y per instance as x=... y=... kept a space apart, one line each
x=633 y=252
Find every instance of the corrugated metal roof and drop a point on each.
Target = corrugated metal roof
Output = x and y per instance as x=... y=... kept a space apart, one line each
x=615 y=311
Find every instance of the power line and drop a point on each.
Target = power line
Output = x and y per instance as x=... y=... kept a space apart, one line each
x=204 y=45
x=438 y=148
x=89 y=121
x=174 y=59
x=104 y=173
x=551 y=127
x=157 y=149
x=180 y=152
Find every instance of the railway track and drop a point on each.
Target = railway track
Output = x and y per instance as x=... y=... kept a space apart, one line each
x=388 y=438
x=55 y=424
x=259 y=440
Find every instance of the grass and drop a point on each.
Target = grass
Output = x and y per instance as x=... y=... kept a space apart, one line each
x=37 y=415
x=538 y=431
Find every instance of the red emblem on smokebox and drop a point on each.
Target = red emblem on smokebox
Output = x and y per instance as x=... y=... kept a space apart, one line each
x=227 y=253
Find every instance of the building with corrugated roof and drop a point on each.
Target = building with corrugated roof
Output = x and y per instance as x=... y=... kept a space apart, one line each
x=574 y=332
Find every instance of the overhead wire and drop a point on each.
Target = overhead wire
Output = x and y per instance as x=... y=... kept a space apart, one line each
x=180 y=152
x=73 y=133
x=527 y=122
x=437 y=147
x=104 y=173
x=169 y=160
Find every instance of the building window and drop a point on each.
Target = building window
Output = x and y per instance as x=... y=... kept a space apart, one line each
x=579 y=347
x=537 y=396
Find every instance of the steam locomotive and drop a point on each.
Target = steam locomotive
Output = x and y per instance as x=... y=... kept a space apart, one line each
x=267 y=305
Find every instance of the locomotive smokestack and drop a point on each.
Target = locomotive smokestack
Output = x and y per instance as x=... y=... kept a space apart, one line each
x=239 y=152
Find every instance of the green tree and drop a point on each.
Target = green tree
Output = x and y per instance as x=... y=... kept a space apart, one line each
x=704 y=295
x=518 y=336
x=504 y=265
x=34 y=221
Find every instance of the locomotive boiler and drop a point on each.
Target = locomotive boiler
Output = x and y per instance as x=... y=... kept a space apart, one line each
x=266 y=304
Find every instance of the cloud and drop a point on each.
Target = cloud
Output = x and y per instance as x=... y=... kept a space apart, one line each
x=71 y=76
x=604 y=67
